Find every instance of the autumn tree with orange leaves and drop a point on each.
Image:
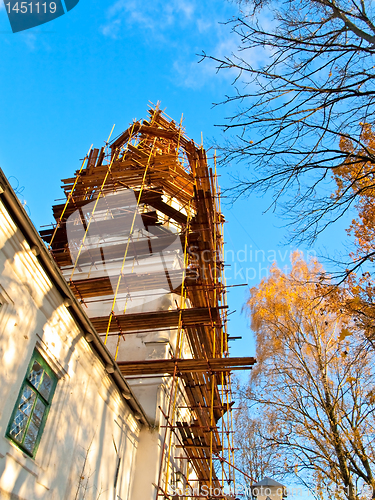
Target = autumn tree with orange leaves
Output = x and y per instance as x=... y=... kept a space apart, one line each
x=313 y=390
x=355 y=179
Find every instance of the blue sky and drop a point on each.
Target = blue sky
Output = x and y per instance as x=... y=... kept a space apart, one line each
x=65 y=84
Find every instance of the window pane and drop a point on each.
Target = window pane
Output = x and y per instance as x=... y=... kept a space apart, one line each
x=30 y=439
x=27 y=400
x=25 y=406
x=45 y=386
x=35 y=374
x=36 y=420
x=18 y=426
x=38 y=413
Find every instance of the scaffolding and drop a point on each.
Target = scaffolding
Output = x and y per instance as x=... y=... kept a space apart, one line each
x=139 y=238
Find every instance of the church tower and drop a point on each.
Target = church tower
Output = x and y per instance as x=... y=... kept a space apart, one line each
x=139 y=239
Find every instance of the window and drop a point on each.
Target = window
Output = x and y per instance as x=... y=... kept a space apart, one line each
x=30 y=413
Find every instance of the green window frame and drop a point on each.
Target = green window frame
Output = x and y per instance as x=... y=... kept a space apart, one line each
x=30 y=413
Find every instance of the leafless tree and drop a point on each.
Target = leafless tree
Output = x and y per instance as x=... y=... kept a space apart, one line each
x=305 y=78
x=256 y=455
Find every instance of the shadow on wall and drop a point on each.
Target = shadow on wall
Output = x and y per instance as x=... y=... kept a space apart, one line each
x=84 y=438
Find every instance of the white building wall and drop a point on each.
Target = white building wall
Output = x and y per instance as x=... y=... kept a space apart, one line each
x=89 y=427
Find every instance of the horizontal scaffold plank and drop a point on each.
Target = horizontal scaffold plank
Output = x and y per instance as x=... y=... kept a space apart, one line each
x=101 y=286
x=158 y=366
x=158 y=319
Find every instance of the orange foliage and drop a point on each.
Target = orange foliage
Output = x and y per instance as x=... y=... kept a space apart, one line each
x=310 y=383
x=289 y=308
x=358 y=177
